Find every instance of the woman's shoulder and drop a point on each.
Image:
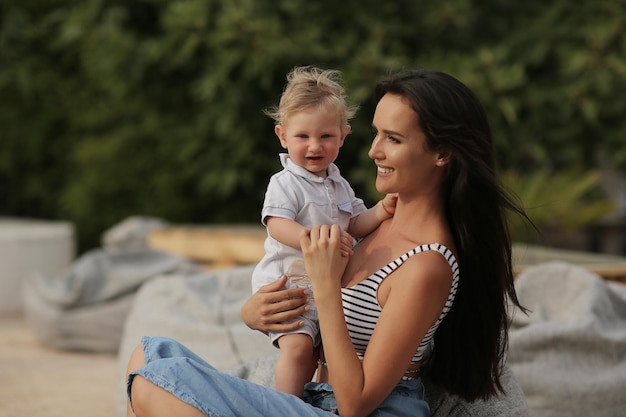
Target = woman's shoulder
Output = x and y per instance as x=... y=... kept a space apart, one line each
x=431 y=263
x=431 y=259
x=441 y=251
x=426 y=272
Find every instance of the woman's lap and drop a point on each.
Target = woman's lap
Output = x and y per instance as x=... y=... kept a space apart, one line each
x=181 y=372
x=406 y=400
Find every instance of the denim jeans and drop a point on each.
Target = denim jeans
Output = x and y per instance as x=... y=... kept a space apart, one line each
x=181 y=372
x=406 y=399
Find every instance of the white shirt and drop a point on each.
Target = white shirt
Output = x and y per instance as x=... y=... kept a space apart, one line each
x=297 y=194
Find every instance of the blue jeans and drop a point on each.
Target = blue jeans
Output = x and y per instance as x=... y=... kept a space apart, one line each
x=181 y=372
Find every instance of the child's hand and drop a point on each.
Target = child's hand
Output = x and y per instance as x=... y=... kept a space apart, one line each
x=389 y=203
x=346 y=244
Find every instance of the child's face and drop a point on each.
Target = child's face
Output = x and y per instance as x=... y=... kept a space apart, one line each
x=313 y=139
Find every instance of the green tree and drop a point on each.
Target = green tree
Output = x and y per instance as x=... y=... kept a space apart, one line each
x=114 y=108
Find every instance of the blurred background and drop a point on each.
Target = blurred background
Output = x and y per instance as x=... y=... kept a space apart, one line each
x=111 y=109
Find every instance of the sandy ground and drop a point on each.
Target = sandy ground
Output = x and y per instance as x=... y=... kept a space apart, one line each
x=36 y=381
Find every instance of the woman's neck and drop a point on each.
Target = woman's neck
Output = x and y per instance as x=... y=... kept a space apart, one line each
x=420 y=219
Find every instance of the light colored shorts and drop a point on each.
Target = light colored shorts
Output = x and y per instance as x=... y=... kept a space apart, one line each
x=309 y=326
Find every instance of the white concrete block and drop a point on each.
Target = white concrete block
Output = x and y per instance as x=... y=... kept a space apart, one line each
x=29 y=246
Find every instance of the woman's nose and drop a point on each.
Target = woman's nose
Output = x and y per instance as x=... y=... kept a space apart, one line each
x=373 y=152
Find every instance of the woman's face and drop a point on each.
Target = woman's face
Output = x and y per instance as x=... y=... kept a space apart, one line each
x=404 y=164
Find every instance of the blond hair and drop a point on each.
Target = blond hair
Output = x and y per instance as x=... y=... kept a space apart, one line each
x=311 y=87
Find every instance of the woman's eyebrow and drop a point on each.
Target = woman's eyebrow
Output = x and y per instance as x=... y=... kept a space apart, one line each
x=393 y=133
x=389 y=132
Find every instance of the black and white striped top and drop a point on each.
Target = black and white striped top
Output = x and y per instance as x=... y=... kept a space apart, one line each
x=361 y=307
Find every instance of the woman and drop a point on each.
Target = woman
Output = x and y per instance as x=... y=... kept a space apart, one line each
x=401 y=289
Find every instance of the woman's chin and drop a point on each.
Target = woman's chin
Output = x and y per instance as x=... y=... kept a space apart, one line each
x=381 y=187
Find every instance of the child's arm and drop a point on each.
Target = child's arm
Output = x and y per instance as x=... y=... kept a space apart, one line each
x=286 y=231
x=367 y=221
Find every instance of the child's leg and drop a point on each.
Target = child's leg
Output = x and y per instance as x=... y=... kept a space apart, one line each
x=296 y=363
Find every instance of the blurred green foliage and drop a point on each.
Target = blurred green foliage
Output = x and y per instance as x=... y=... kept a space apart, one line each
x=114 y=108
x=564 y=201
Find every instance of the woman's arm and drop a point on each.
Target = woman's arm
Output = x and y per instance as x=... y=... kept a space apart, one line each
x=325 y=267
x=272 y=307
x=412 y=303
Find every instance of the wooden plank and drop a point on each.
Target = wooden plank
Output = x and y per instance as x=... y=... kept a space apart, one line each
x=218 y=246
x=610 y=267
x=230 y=245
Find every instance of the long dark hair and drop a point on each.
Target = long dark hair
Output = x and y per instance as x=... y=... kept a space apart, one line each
x=471 y=342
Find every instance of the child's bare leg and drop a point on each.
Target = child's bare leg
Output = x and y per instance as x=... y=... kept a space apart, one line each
x=296 y=363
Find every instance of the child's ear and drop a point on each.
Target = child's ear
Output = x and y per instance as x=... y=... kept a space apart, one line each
x=345 y=132
x=280 y=132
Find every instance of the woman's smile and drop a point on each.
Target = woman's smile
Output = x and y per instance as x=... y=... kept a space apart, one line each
x=384 y=171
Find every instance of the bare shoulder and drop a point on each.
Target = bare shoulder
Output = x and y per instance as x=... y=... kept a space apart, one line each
x=428 y=265
x=426 y=272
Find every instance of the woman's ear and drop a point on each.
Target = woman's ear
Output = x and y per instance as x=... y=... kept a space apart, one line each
x=280 y=132
x=442 y=158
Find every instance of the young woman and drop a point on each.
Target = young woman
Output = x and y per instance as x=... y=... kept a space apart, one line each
x=438 y=270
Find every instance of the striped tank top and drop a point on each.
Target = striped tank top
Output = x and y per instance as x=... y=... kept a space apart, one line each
x=362 y=310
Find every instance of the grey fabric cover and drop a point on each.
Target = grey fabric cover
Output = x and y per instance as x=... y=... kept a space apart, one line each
x=569 y=353
x=132 y=232
x=85 y=307
x=203 y=312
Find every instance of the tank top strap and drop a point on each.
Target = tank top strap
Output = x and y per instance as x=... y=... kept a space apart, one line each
x=383 y=272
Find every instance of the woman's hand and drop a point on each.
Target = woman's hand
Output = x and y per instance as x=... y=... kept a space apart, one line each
x=322 y=250
x=272 y=307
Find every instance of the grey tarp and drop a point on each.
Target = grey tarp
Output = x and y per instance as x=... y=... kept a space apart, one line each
x=569 y=353
x=85 y=307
